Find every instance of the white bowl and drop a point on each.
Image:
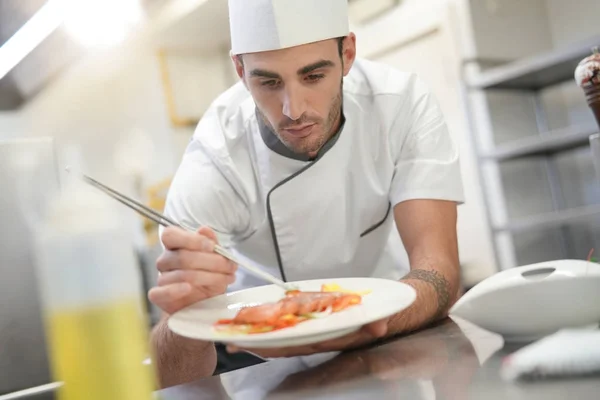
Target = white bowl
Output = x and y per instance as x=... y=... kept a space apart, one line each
x=533 y=301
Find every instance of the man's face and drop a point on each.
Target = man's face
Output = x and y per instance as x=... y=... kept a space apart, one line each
x=298 y=91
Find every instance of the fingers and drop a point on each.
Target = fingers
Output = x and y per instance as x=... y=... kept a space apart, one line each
x=167 y=297
x=170 y=292
x=175 y=238
x=173 y=298
x=338 y=344
x=209 y=233
x=190 y=270
x=274 y=353
x=377 y=329
x=342 y=343
x=196 y=279
x=181 y=288
x=195 y=260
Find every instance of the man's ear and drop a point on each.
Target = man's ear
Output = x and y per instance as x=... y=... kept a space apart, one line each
x=238 y=65
x=349 y=52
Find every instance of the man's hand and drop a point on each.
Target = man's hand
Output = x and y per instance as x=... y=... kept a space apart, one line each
x=365 y=335
x=190 y=270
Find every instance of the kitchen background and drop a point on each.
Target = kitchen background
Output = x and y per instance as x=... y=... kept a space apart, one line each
x=126 y=81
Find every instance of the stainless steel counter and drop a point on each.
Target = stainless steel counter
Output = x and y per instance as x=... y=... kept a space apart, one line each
x=450 y=361
x=453 y=360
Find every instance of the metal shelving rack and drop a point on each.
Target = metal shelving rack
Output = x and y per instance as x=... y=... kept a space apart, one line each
x=550 y=142
x=537 y=72
x=533 y=75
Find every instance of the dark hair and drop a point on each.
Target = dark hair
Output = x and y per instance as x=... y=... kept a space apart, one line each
x=340 y=41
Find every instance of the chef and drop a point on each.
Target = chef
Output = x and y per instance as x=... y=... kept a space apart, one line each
x=316 y=164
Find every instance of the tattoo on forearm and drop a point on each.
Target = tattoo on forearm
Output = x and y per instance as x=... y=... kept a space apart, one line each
x=440 y=285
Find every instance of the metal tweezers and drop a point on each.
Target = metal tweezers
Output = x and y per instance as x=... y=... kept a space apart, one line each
x=166 y=221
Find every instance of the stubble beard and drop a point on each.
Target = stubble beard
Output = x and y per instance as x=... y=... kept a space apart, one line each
x=313 y=143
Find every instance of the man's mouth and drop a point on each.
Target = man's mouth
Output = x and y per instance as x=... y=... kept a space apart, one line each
x=301 y=130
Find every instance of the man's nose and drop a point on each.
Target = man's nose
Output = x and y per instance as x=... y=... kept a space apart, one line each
x=294 y=104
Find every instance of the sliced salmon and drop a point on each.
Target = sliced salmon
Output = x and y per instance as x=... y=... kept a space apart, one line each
x=289 y=306
x=292 y=309
x=258 y=314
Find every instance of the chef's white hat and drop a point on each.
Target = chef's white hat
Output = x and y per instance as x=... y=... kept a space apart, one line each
x=263 y=25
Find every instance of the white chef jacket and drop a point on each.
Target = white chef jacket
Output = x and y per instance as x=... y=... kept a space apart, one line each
x=328 y=217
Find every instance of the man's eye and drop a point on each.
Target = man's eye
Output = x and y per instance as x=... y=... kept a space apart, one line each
x=270 y=83
x=315 y=77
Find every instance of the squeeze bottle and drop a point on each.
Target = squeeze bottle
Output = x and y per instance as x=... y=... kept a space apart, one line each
x=95 y=325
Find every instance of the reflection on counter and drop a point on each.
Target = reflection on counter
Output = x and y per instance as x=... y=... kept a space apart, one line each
x=451 y=360
x=437 y=363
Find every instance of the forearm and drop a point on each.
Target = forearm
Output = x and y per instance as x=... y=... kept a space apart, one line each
x=178 y=359
x=428 y=230
x=437 y=283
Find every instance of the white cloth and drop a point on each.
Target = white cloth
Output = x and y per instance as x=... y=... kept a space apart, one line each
x=569 y=352
x=264 y=25
x=335 y=218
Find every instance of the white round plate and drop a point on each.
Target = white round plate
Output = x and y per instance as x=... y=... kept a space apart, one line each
x=529 y=302
x=387 y=297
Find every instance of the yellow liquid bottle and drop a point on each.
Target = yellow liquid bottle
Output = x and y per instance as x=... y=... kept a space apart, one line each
x=96 y=330
x=98 y=353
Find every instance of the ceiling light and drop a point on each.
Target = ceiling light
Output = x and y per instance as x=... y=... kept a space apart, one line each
x=100 y=23
x=42 y=24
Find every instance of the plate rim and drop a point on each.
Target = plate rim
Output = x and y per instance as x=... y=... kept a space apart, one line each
x=258 y=338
